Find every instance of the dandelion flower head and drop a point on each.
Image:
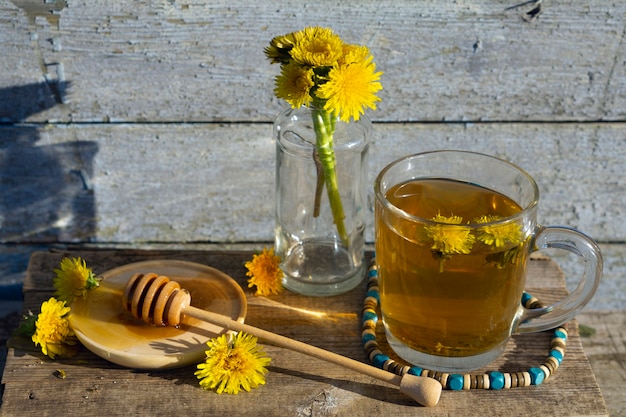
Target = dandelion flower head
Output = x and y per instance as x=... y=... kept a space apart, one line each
x=353 y=53
x=498 y=235
x=231 y=366
x=294 y=85
x=350 y=88
x=52 y=329
x=449 y=237
x=278 y=50
x=339 y=76
x=317 y=47
x=73 y=279
x=265 y=273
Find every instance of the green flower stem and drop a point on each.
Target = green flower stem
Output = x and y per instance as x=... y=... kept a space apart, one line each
x=324 y=125
x=319 y=185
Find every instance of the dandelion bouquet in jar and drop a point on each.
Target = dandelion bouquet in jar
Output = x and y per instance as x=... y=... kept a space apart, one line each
x=337 y=80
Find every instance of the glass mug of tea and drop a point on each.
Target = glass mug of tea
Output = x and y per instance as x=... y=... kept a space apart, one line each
x=454 y=232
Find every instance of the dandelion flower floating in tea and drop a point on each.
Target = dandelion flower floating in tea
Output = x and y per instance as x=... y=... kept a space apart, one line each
x=448 y=237
x=231 y=366
x=498 y=235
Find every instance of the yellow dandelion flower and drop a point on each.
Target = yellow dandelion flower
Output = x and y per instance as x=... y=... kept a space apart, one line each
x=448 y=237
x=338 y=79
x=294 y=85
x=353 y=54
x=498 y=235
x=351 y=88
x=73 y=279
x=280 y=46
x=52 y=329
x=264 y=272
x=317 y=46
x=232 y=366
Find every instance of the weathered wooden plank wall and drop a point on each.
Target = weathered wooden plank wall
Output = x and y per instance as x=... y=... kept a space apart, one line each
x=214 y=182
x=202 y=61
x=150 y=121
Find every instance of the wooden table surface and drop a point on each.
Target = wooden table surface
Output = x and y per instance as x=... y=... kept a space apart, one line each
x=296 y=384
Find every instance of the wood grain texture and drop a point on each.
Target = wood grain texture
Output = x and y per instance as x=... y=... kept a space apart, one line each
x=215 y=182
x=101 y=61
x=14 y=259
x=606 y=349
x=148 y=124
x=296 y=384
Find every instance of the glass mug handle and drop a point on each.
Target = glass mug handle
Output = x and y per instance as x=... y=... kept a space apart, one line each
x=572 y=240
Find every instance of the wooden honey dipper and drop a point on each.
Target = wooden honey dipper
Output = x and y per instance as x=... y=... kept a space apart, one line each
x=157 y=300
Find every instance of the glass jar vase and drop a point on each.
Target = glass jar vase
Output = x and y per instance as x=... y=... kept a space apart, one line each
x=320 y=201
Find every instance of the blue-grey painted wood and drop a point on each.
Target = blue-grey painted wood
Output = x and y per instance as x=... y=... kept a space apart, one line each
x=484 y=60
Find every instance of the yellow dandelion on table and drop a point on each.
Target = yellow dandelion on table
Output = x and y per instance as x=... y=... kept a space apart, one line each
x=73 y=279
x=52 y=329
x=231 y=366
x=294 y=85
x=265 y=273
x=317 y=46
x=498 y=235
x=449 y=237
x=351 y=88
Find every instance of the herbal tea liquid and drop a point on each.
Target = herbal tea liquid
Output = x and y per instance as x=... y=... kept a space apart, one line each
x=450 y=287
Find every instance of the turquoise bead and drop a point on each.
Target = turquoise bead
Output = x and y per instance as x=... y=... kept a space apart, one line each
x=367 y=337
x=368 y=315
x=455 y=382
x=415 y=370
x=379 y=360
x=557 y=355
x=375 y=294
x=536 y=376
x=496 y=380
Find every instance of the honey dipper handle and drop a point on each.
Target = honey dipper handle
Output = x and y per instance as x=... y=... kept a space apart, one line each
x=426 y=391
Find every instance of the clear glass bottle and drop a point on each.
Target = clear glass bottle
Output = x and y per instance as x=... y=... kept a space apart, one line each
x=318 y=259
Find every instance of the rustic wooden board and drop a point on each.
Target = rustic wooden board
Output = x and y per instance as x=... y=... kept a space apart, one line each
x=101 y=61
x=109 y=88
x=296 y=385
x=14 y=259
x=606 y=349
x=129 y=183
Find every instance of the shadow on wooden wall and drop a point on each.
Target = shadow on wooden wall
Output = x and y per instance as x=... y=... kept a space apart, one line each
x=45 y=188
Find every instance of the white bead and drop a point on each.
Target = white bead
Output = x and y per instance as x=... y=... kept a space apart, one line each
x=507 y=380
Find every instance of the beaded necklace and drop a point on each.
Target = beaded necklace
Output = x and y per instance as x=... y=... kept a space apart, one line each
x=493 y=380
